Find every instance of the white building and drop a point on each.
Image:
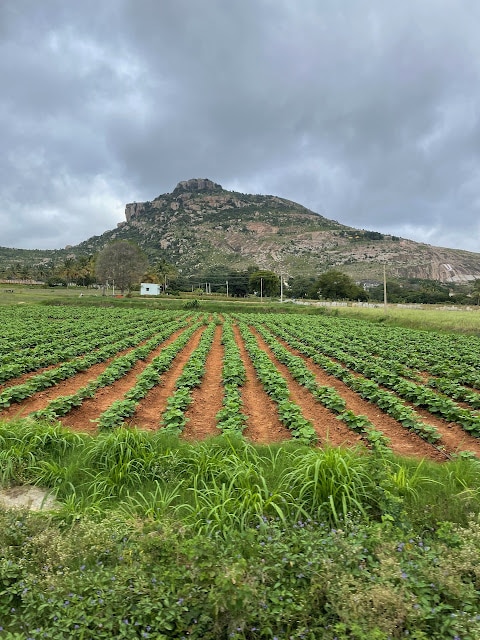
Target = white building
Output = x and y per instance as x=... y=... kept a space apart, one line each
x=150 y=289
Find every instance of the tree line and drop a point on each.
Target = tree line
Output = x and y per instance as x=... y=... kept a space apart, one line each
x=122 y=265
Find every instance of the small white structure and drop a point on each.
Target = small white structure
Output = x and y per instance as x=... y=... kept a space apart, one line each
x=150 y=289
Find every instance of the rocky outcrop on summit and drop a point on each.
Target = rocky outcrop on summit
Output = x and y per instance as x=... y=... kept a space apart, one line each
x=196 y=184
x=184 y=189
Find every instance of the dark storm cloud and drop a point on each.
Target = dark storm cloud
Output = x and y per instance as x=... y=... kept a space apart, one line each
x=365 y=112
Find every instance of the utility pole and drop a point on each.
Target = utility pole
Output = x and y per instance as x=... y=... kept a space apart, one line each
x=227 y=287
x=261 y=289
x=281 y=287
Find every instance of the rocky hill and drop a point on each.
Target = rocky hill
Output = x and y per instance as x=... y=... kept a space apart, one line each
x=199 y=225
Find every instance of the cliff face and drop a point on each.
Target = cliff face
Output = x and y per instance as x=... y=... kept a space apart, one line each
x=200 y=224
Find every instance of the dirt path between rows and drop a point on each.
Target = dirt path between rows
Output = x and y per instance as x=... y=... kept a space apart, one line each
x=13 y=382
x=454 y=437
x=328 y=427
x=64 y=388
x=207 y=398
x=263 y=423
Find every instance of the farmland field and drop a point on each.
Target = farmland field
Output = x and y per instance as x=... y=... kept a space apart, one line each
x=340 y=499
x=272 y=377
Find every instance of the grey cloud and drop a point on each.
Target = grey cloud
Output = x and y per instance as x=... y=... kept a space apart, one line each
x=366 y=114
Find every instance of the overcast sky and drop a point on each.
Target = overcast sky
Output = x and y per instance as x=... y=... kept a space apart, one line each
x=367 y=112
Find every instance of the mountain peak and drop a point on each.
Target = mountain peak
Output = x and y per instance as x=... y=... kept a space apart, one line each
x=196 y=184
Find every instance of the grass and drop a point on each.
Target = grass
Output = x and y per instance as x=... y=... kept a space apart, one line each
x=428 y=317
x=226 y=475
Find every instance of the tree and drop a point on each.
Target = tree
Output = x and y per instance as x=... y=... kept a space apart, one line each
x=336 y=285
x=476 y=291
x=164 y=272
x=265 y=283
x=238 y=282
x=301 y=287
x=68 y=270
x=121 y=264
x=395 y=292
x=86 y=268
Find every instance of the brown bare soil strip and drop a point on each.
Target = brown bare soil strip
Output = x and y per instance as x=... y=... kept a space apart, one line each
x=12 y=382
x=263 y=423
x=81 y=418
x=325 y=423
x=454 y=437
x=402 y=441
x=207 y=398
x=150 y=409
x=464 y=405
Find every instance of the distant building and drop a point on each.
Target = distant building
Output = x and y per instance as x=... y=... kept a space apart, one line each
x=150 y=289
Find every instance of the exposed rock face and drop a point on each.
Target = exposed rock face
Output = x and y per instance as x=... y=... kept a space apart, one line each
x=133 y=209
x=182 y=190
x=196 y=184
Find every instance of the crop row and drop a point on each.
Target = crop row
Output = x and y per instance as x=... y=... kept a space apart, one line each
x=276 y=386
x=367 y=389
x=124 y=408
x=322 y=341
x=405 y=351
x=173 y=418
x=52 y=349
x=231 y=419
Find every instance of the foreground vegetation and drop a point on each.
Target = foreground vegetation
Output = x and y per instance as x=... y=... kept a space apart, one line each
x=157 y=538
